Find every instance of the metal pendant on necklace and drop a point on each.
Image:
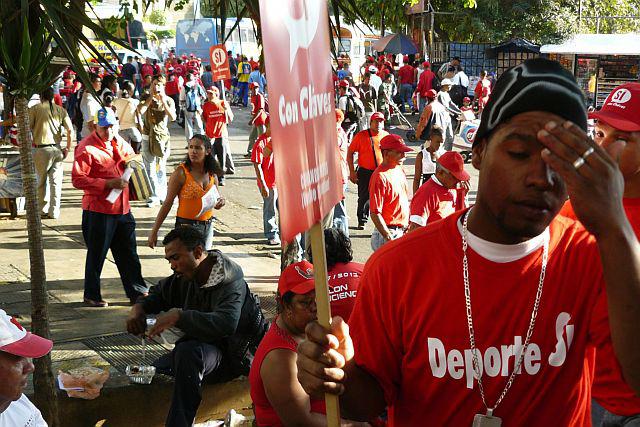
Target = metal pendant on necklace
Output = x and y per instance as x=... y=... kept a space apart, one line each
x=486 y=421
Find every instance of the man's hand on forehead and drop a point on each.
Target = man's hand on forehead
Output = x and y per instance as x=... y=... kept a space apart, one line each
x=593 y=179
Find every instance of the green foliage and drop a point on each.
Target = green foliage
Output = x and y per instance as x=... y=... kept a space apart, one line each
x=157 y=17
x=162 y=34
x=541 y=21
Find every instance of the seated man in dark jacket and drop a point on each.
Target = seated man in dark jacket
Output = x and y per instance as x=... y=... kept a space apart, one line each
x=209 y=301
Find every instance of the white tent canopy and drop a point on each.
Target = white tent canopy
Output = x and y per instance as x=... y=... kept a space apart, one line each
x=597 y=44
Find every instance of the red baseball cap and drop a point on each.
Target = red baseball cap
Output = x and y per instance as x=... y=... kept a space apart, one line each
x=426 y=64
x=297 y=278
x=254 y=84
x=343 y=83
x=431 y=94
x=405 y=59
x=16 y=340
x=394 y=142
x=377 y=116
x=621 y=109
x=453 y=162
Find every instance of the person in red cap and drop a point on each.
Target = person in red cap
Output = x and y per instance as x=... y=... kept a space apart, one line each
x=389 y=193
x=17 y=348
x=406 y=83
x=617 y=130
x=278 y=397
x=216 y=113
x=433 y=115
x=258 y=115
x=440 y=196
x=340 y=217
x=425 y=84
x=366 y=144
x=466 y=104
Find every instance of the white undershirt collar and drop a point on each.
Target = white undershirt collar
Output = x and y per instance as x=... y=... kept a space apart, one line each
x=500 y=253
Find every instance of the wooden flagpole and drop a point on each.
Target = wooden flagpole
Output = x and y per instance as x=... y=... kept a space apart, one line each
x=316 y=234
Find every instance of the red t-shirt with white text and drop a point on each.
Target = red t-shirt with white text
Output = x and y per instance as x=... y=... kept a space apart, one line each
x=265 y=162
x=343 y=287
x=609 y=387
x=409 y=328
x=431 y=203
x=215 y=118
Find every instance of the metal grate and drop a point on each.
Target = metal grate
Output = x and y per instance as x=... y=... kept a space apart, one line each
x=268 y=305
x=125 y=349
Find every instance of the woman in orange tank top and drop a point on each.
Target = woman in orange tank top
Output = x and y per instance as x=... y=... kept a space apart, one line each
x=194 y=178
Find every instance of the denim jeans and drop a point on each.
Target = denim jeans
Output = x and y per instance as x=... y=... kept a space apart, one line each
x=192 y=363
x=448 y=137
x=102 y=232
x=270 y=215
x=156 y=168
x=340 y=218
x=377 y=240
x=243 y=93
x=192 y=124
x=406 y=90
x=204 y=227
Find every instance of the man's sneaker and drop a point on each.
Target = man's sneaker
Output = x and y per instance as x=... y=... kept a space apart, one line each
x=229 y=172
x=92 y=303
x=248 y=155
x=273 y=242
x=360 y=226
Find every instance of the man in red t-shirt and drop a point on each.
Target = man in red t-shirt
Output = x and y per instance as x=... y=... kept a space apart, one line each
x=258 y=115
x=366 y=144
x=214 y=115
x=439 y=197
x=406 y=80
x=425 y=84
x=451 y=325
x=389 y=193
x=262 y=159
x=618 y=132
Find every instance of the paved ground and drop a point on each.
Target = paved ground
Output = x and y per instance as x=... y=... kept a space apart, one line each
x=75 y=327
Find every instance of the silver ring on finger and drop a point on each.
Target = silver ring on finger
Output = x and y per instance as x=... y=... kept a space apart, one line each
x=589 y=152
x=578 y=163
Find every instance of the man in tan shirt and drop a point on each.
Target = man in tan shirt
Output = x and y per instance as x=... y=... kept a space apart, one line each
x=47 y=122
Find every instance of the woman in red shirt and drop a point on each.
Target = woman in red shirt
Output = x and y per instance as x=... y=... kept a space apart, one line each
x=278 y=397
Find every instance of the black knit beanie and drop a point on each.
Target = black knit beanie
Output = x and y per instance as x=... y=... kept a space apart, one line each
x=535 y=85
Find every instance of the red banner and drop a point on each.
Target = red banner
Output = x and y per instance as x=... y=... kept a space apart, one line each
x=301 y=103
x=219 y=62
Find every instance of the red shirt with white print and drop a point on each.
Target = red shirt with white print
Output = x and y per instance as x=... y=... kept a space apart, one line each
x=609 y=387
x=215 y=118
x=433 y=201
x=265 y=162
x=409 y=328
x=343 y=279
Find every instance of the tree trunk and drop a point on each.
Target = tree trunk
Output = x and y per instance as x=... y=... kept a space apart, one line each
x=43 y=380
x=382 y=21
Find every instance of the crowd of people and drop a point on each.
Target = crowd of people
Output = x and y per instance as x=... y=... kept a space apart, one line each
x=448 y=322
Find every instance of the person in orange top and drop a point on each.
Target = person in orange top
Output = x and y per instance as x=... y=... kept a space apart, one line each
x=367 y=144
x=618 y=132
x=194 y=178
x=389 y=193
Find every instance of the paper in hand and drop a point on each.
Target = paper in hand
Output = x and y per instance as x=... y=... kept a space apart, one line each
x=115 y=193
x=209 y=200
